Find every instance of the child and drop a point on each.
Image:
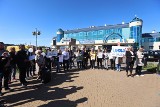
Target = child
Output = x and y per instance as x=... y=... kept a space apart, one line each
x=118 y=62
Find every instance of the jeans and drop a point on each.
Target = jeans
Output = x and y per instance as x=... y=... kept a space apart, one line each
x=66 y=64
x=129 y=66
x=22 y=74
x=138 y=70
x=85 y=62
x=105 y=63
x=6 y=75
x=118 y=66
x=99 y=61
x=14 y=69
x=92 y=64
x=57 y=66
x=112 y=64
x=1 y=77
x=79 y=64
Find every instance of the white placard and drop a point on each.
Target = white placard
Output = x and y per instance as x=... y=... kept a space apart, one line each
x=32 y=57
x=118 y=51
x=54 y=53
x=100 y=55
x=60 y=58
x=51 y=53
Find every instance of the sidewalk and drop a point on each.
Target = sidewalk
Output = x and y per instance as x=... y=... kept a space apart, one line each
x=88 y=88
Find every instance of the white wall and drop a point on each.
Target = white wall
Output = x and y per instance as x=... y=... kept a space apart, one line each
x=154 y=44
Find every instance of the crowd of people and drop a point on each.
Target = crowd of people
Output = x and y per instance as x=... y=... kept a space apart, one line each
x=37 y=63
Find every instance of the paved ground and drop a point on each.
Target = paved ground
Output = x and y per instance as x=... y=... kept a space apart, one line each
x=89 y=88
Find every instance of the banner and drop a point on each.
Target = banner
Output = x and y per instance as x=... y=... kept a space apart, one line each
x=118 y=51
x=50 y=54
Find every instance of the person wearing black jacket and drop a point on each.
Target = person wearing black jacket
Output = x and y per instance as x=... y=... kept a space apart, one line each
x=12 y=54
x=85 y=58
x=129 y=61
x=21 y=60
x=4 y=68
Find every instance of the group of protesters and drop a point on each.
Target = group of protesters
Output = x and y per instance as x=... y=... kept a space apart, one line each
x=36 y=62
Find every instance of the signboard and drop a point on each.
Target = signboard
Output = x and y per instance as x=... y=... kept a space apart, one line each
x=87 y=42
x=66 y=40
x=118 y=51
x=51 y=53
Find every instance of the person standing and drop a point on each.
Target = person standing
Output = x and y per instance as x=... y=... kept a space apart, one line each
x=65 y=59
x=129 y=61
x=79 y=59
x=1 y=66
x=92 y=58
x=112 y=61
x=139 y=63
x=118 y=61
x=49 y=59
x=21 y=60
x=85 y=58
x=99 y=58
x=40 y=64
x=12 y=54
x=5 y=68
x=58 y=60
x=106 y=58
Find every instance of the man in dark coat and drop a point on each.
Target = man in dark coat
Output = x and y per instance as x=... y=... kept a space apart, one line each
x=21 y=60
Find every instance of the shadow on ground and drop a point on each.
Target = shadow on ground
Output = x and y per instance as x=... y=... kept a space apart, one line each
x=43 y=92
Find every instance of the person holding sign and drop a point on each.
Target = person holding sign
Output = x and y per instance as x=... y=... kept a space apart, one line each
x=129 y=61
x=65 y=59
x=99 y=58
x=59 y=60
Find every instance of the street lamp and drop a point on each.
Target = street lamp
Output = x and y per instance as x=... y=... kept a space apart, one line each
x=36 y=33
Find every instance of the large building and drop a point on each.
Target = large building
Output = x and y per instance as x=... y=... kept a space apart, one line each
x=151 y=41
x=102 y=36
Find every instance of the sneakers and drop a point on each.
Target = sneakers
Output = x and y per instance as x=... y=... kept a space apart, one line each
x=24 y=85
x=139 y=75
x=118 y=70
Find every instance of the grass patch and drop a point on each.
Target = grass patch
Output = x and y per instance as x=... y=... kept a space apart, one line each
x=150 y=67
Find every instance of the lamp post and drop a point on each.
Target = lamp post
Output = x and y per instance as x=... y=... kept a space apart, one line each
x=36 y=33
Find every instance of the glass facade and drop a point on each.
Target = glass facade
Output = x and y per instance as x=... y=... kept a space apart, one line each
x=120 y=32
x=151 y=37
x=105 y=34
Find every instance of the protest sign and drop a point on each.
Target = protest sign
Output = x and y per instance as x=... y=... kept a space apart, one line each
x=118 y=51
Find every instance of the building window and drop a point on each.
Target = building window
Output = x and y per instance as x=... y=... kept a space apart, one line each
x=158 y=39
x=150 y=47
x=151 y=39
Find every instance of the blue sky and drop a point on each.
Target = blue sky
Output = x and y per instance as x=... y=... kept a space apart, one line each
x=18 y=18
